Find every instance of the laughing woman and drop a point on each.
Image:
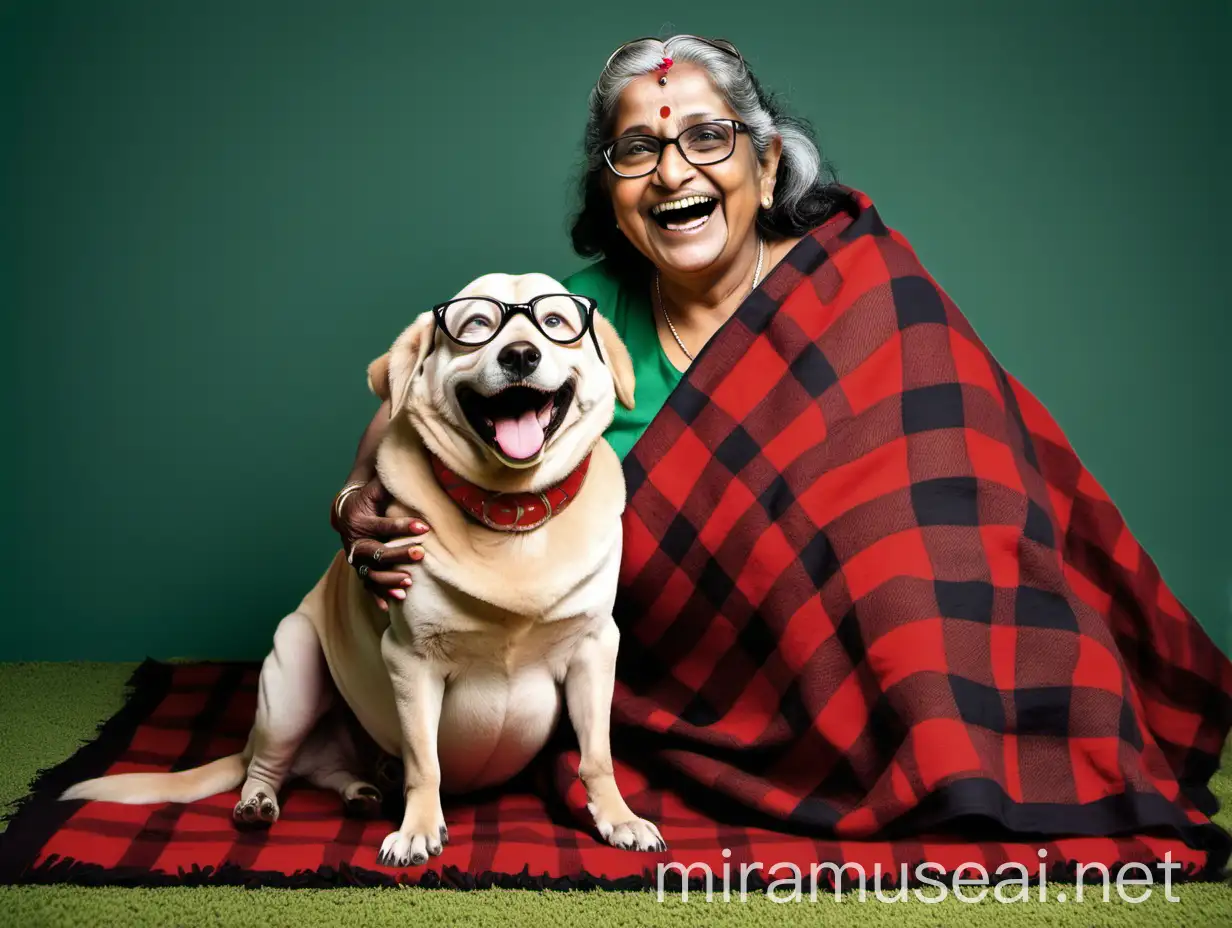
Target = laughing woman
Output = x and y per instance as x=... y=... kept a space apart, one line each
x=868 y=590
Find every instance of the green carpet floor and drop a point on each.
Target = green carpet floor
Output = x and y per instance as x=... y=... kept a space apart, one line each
x=49 y=709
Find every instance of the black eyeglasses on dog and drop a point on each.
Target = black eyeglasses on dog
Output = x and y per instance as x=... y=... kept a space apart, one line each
x=473 y=321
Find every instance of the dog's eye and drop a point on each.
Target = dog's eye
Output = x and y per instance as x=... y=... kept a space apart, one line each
x=559 y=317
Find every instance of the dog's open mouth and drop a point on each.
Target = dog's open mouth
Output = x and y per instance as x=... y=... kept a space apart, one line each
x=517 y=421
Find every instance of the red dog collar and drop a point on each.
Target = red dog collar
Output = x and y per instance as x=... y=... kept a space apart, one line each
x=510 y=512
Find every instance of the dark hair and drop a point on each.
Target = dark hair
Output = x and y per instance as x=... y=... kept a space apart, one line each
x=805 y=189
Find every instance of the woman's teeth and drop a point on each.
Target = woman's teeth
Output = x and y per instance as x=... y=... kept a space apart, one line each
x=688 y=214
x=684 y=203
x=689 y=226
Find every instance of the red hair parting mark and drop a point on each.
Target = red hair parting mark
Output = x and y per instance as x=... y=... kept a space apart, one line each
x=662 y=70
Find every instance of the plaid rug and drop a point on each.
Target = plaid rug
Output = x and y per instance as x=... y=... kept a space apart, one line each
x=178 y=716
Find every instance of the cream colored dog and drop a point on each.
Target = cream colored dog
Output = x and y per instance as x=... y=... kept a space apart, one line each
x=463 y=680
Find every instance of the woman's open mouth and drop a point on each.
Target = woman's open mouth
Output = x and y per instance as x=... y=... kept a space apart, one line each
x=689 y=214
x=518 y=421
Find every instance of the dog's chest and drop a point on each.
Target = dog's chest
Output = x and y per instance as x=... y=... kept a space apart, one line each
x=508 y=592
x=448 y=626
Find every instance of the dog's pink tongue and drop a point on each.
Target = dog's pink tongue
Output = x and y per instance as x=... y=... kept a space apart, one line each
x=520 y=438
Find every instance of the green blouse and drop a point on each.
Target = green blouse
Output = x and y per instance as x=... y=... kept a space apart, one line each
x=631 y=314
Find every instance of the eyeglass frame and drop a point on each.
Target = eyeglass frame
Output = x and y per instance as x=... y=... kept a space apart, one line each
x=738 y=127
x=728 y=46
x=509 y=310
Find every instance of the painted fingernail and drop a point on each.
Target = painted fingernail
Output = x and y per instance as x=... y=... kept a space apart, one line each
x=400 y=594
x=417 y=555
x=419 y=528
x=406 y=581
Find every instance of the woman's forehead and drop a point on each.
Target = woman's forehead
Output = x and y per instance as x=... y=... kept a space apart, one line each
x=689 y=91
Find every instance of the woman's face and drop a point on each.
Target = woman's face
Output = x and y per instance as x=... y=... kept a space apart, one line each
x=737 y=185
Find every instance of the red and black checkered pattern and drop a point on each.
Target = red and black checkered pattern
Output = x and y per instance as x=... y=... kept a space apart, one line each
x=518 y=836
x=874 y=612
x=869 y=590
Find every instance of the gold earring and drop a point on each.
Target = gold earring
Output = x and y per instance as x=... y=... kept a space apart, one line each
x=766 y=201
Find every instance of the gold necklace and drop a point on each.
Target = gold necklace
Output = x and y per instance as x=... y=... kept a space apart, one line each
x=761 y=252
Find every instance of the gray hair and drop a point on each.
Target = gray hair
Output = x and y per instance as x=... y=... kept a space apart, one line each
x=804 y=192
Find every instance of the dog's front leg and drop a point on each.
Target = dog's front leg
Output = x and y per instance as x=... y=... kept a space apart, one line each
x=589 y=682
x=419 y=687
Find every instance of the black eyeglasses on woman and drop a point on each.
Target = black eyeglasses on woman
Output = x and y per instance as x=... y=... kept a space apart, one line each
x=703 y=144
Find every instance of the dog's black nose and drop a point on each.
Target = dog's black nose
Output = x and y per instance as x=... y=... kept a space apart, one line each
x=519 y=359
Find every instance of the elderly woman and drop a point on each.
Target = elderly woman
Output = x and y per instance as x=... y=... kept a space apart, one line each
x=868 y=590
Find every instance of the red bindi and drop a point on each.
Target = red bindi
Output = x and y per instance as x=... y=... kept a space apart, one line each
x=665 y=111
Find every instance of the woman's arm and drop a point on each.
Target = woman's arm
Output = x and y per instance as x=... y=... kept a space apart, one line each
x=364 y=528
x=365 y=456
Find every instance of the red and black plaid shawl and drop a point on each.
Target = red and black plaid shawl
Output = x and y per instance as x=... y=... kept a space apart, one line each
x=874 y=612
x=870 y=591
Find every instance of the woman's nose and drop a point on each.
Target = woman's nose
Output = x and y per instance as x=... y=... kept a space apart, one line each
x=673 y=168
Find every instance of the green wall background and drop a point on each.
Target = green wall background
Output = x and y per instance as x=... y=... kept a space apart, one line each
x=212 y=216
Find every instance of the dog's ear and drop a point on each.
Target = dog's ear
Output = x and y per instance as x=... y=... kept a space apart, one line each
x=378 y=376
x=406 y=358
x=618 y=360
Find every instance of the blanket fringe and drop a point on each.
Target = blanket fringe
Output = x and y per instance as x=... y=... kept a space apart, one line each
x=66 y=870
x=32 y=819
x=145 y=687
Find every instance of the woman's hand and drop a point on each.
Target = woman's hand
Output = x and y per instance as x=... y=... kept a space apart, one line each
x=364 y=529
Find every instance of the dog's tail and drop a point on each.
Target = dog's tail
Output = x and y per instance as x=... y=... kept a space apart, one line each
x=182 y=786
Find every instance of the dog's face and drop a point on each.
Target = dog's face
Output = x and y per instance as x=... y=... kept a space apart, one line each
x=520 y=402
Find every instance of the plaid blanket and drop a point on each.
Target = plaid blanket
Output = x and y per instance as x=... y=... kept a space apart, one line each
x=875 y=615
x=869 y=590
x=519 y=836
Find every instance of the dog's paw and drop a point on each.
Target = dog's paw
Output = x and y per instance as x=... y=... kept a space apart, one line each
x=636 y=834
x=400 y=849
x=260 y=811
x=362 y=800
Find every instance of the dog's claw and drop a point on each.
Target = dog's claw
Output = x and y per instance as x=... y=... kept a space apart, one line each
x=634 y=835
x=399 y=849
x=259 y=811
x=395 y=851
